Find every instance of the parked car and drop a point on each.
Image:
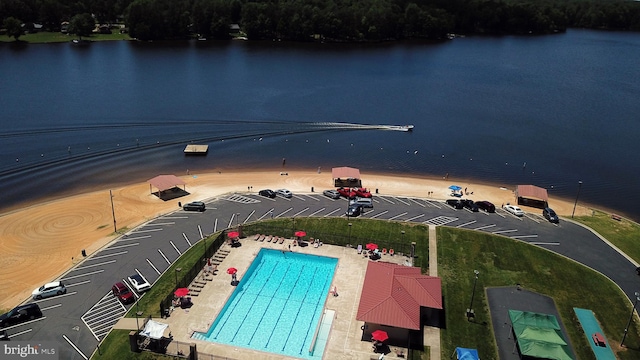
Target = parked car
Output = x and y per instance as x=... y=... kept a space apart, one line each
x=331 y=194
x=122 y=292
x=364 y=202
x=362 y=192
x=457 y=204
x=486 y=206
x=194 y=206
x=49 y=289
x=347 y=192
x=469 y=204
x=550 y=215
x=284 y=193
x=515 y=210
x=20 y=314
x=139 y=283
x=354 y=210
x=267 y=193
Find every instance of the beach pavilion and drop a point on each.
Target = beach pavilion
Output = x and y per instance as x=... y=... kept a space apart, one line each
x=167 y=182
x=399 y=300
x=530 y=195
x=538 y=336
x=346 y=177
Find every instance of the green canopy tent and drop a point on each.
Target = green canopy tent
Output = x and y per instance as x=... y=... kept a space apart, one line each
x=539 y=335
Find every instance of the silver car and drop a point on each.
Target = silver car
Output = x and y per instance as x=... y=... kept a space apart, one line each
x=284 y=193
x=331 y=194
x=513 y=210
x=49 y=289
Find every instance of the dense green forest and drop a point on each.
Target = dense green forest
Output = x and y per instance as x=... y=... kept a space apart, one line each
x=326 y=20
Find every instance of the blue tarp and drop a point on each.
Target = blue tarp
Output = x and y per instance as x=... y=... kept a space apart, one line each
x=455 y=187
x=467 y=354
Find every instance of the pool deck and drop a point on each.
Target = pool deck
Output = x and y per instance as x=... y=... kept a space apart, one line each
x=345 y=337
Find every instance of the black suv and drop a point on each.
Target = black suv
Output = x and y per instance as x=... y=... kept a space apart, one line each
x=550 y=215
x=354 y=210
x=469 y=204
x=268 y=193
x=486 y=206
x=457 y=204
x=20 y=314
x=194 y=206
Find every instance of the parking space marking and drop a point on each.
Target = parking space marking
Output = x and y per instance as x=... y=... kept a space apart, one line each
x=385 y=199
x=245 y=219
x=485 y=227
x=316 y=212
x=153 y=266
x=94 y=265
x=55 y=297
x=544 y=243
x=108 y=255
x=331 y=213
x=20 y=333
x=78 y=283
x=397 y=216
x=145 y=231
x=186 y=238
x=24 y=323
x=532 y=218
x=123 y=246
x=215 y=226
x=300 y=212
x=313 y=197
x=270 y=212
x=178 y=217
x=126 y=283
x=81 y=275
x=504 y=231
x=51 y=307
x=134 y=238
x=284 y=212
x=434 y=203
x=160 y=224
x=415 y=217
x=378 y=215
x=201 y=235
x=174 y=246
x=282 y=197
x=402 y=201
x=440 y=220
x=75 y=347
x=165 y=258
x=103 y=315
x=465 y=224
x=416 y=202
x=240 y=199
x=298 y=197
x=524 y=236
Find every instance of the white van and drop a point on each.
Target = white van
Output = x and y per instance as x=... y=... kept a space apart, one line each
x=364 y=202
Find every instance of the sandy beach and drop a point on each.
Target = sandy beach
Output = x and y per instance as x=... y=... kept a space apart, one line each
x=40 y=243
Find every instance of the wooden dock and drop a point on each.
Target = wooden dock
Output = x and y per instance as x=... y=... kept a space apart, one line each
x=192 y=149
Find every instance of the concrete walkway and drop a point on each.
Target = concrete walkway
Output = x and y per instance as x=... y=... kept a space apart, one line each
x=431 y=335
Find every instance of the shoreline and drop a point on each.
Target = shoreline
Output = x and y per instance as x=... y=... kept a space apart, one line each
x=62 y=227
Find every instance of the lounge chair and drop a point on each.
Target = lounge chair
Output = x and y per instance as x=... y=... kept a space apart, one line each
x=256 y=237
x=360 y=249
x=281 y=241
x=262 y=237
x=391 y=252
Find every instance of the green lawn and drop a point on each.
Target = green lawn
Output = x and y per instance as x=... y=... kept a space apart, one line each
x=501 y=262
x=56 y=37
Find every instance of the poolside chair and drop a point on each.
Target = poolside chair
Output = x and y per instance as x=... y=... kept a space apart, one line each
x=281 y=240
x=360 y=249
x=391 y=252
x=269 y=237
x=262 y=237
x=256 y=237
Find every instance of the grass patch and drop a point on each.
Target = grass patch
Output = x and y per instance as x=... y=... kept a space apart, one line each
x=116 y=346
x=57 y=37
x=624 y=234
x=506 y=262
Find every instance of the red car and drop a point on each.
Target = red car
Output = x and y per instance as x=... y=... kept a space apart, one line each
x=347 y=192
x=122 y=292
x=362 y=192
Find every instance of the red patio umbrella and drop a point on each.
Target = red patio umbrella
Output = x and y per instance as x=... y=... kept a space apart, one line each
x=233 y=234
x=379 y=335
x=371 y=246
x=180 y=292
x=300 y=234
x=232 y=270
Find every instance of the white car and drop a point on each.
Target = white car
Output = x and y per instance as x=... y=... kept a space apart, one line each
x=284 y=193
x=513 y=210
x=49 y=289
x=139 y=283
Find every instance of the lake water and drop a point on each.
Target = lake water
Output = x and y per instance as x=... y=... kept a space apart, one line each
x=545 y=110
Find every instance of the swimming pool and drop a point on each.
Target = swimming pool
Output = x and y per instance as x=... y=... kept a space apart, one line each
x=277 y=306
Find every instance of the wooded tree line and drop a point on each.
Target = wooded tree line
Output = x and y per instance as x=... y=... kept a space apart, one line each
x=345 y=20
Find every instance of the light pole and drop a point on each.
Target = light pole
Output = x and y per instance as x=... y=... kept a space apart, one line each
x=635 y=303
x=237 y=219
x=177 y=271
x=576 y=203
x=470 y=313
x=350 y=233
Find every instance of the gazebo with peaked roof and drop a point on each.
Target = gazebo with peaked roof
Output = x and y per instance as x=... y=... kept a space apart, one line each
x=346 y=177
x=164 y=183
x=393 y=297
x=530 y=195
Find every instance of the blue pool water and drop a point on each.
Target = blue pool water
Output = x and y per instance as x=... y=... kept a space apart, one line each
x=277 y=306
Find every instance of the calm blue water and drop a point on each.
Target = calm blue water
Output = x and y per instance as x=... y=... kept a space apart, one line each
x=545 y=110
x=277 y=306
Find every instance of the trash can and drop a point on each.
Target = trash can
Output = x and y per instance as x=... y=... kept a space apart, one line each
x=84 y=253
x=312 y=189
x=376 y=190
x=179 y=204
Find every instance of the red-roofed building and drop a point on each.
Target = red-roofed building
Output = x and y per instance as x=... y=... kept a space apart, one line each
x=530 y=195
x=394 y=295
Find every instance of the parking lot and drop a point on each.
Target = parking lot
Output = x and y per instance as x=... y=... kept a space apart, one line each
x=81 y=318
